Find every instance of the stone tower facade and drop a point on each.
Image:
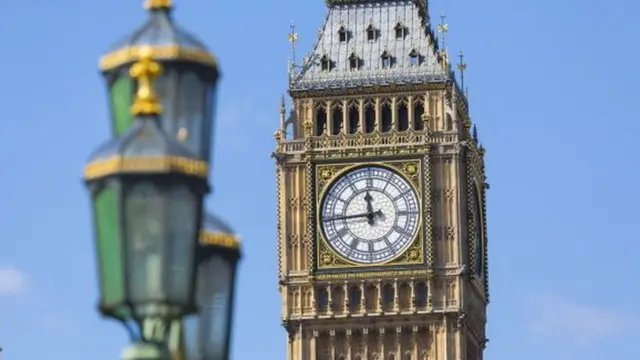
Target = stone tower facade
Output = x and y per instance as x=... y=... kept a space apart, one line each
x=382 y=239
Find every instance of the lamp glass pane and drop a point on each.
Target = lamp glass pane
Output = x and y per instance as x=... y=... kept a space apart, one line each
x=145 y=205
x=190 y=114
x=182 y=238
x=121 y=94
x=209 y=118
x=215 y=286
x=109 y=246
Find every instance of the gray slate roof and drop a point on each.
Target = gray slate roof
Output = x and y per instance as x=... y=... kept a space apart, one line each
x=214 y=224
x=355 y=17
x=143 y=139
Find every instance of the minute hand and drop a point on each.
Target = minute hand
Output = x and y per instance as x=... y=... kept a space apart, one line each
x=344 y=217
x=354 y=216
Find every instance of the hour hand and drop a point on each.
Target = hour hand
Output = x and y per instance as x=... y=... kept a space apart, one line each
x=368 y=198
x=370 y=217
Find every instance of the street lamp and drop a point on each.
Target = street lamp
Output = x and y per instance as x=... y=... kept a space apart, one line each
x=186 y=89
x=209 y=333
x=147 y=192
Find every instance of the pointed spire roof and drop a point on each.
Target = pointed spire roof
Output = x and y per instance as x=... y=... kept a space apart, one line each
x=402 y=27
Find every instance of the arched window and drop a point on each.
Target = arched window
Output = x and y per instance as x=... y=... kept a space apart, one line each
x=337 y=117
x=354 y=118
x=403 y=116
x=369 y=117
x=385 y=115
x=387 y=60
x=388 y=295
x=401 y=31
x=343 y=34
x=321 y=120
x=414 y=58
x=322 y=300
x=355 y=296
x=325 y=63
x=372 y=33
x=421 y=295
x=418 y=110
x=354 y=62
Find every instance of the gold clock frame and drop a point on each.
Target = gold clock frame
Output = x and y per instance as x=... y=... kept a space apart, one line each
x=325 y=174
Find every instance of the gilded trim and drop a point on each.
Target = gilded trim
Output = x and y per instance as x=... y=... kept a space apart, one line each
x=219 y=239
x=158 y=4
x=374 y=274
x=130 y=54
x=378 y=90
x=142 y=164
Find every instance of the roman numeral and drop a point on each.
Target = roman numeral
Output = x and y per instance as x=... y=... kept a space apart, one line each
x=402 y=194
x=408 y=212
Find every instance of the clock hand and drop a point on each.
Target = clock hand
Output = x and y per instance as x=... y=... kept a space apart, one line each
x=344 y=217
x=369 y=199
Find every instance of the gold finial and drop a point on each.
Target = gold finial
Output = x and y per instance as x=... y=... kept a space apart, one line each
x=293 y=39
x=145 y=71
x=158 y=4
x=277 y=136
x=462 y=66
x=443 y=28
x=308 y=127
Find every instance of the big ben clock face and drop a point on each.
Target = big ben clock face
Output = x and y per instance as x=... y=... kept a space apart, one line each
x=370 y=214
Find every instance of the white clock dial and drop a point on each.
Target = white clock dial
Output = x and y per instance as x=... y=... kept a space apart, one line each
x=370 y=214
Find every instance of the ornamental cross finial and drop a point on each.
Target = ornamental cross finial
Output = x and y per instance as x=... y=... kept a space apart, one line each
x=145 y=70
x=293 y=39
x=158 y=4
x=462 y=66
x=443 y=28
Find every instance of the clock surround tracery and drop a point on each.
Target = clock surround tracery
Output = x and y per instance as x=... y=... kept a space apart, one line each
x=325 y=174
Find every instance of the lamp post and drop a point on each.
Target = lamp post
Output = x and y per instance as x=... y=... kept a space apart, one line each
x=147 y=192
x=208 y=334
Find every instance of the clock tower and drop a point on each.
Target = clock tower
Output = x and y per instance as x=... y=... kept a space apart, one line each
x=381 y=237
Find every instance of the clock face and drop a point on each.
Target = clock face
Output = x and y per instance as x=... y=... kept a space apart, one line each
x=370 y=214
x=477 y=221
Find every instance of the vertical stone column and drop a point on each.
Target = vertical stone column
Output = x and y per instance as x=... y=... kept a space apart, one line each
x=410 y=112
x=394 y=113
x=381 y=339
x=361 y=114
x=380 y=299
x=412 y=286
x=414 y=342
x=363 y=302
x=348 y=343
x=332 y=343
x=365 y=343
x=377 y=113
x=399 y=342
x=329 y=117
x=346 y=302
x=345 y=116
x=313 y=346
x=396 y=296
x=330 y=299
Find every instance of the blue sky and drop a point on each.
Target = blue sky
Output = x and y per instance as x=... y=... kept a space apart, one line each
x=553 y=89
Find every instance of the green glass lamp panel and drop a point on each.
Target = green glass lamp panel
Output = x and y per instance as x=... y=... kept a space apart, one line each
x=109 y=247
x=121 y=100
